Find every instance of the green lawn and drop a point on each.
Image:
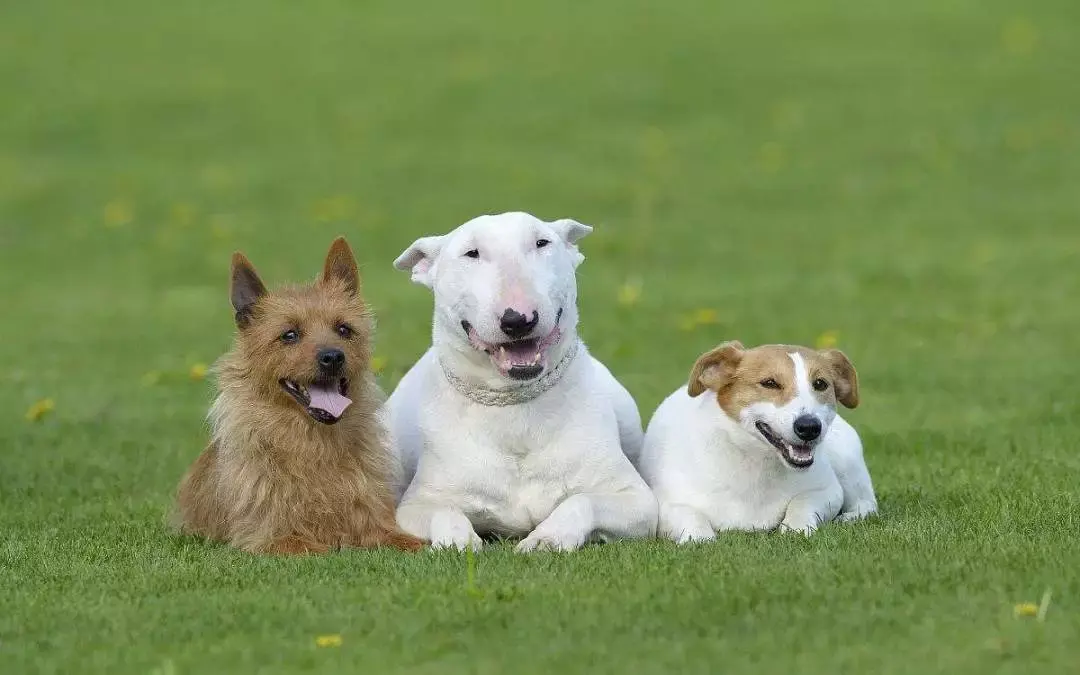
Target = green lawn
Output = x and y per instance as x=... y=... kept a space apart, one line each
x=901 y=177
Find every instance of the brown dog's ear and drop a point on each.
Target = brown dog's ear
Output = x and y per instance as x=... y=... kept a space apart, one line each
x=340 y=264
x=847 y=380
x=713 y=369
x=246 y=288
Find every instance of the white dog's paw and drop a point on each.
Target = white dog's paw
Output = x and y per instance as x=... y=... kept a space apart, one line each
x=805 y=529
x=859 y=512
x=805 y=526
x=692 y=534
x=453 y=530
x=551 y=540
x=462 y=542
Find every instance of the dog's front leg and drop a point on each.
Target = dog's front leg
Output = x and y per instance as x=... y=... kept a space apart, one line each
x=582 y=517
x=443 y=526
x=810 y=509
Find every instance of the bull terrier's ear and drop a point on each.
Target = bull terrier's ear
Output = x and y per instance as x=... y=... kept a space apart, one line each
x=714 y=369
x=846 y=379
x=420 y=259
x=245 y=290
x=571 y=231
x=340 y=264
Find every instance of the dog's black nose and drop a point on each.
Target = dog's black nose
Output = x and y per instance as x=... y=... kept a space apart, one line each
x=807 y=427
x=517 y=325
x=330 y=359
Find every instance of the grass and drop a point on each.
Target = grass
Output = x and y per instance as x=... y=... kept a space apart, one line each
x=899 y=177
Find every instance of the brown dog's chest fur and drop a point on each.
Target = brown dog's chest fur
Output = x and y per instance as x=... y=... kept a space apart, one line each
x=272 y=480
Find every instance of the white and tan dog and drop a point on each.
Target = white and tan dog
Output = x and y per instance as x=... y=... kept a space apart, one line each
x=765 y=449
x=507 y=425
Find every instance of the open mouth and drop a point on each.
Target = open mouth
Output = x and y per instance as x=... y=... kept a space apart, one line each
x=798 y=456
x=517 y=359
x=324 y=400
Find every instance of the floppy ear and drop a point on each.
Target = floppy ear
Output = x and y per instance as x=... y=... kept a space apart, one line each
x=715 y=368
x=847 y=380
x=419 y=259
x=340 y=264
x=245 y=290
x=571 y=231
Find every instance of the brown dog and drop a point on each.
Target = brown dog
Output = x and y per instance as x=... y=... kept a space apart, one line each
x=298 y=461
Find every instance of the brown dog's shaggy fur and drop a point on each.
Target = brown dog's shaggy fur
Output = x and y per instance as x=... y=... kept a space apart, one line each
x=279 y=474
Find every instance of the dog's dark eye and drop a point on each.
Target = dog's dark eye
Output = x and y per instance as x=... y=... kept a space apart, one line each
x=472 y=253
x=290 y=336
x=344 y=330
x=769 y=383
x=820 y=384
x=541 y=243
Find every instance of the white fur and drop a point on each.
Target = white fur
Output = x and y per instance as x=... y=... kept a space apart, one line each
x=712 y=473
x=556 y=469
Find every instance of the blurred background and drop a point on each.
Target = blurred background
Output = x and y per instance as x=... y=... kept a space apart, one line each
x=894 y=174
x=896 y=179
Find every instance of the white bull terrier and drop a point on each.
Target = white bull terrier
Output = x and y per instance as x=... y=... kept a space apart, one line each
x=507 y=426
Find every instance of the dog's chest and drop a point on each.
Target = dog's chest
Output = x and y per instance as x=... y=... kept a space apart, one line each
x=517 y=481
x=747 y=505
x=757 y=497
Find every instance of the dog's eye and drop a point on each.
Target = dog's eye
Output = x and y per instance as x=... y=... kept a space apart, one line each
x=541 y=243
x=290 y=336
x=472 y=253
x=820 y=384
x=769 y=383
x=344 y=330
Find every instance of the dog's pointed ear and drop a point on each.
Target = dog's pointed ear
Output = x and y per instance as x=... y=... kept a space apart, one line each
x=245 y=290
x=341 y=265
x=846 y=379
x=419 y=259
x=715 y=368
x=571 y=231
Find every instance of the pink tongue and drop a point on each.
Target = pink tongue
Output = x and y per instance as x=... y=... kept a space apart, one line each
x=330 y=400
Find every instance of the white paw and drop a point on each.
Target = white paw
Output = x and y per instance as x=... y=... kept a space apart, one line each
x=451 y=530
x=551 y=540
x=692 y=534
x=806 y=528
x=860 y=511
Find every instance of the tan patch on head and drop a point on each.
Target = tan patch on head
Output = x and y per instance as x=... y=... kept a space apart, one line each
x=741 y=377
x=844 y=381
x=752 y=381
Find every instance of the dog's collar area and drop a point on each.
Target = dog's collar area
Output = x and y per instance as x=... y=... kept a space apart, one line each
x=798 y=457
x=514 y=394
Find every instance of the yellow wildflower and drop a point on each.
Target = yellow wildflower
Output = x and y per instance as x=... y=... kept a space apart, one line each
x=827 y=340
x=706 y=317
x=699 y=317
x=378 y=364
x=630 y=293
x=118 y=212
x=198 y=371
x=40 y=409
x=1026 y=609
x=328 y=641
